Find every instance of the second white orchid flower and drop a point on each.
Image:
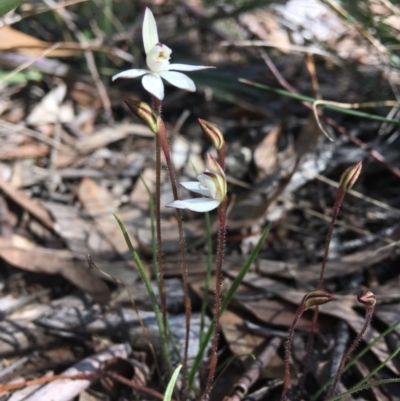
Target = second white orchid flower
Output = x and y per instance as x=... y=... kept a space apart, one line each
x=157 y=59
x=211 y=184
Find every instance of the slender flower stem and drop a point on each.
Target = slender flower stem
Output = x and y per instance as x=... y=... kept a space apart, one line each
x=220 y=257
x=153 y=229
x=161 y=281
x=225 y=303
x=338 y=202
x=347 y=180
x=367 y=298
x=204 y=302
x=162 y=135
x=311 y=299
x=288 y=346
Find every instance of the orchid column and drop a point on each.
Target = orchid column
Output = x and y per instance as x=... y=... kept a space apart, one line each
x=157 y=60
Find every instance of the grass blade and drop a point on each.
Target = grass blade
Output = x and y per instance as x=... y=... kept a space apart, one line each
x=171 y=384
x=225 y=303
x=150 y=291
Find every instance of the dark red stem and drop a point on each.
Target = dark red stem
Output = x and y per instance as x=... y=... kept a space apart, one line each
x=162 y=135
x=288 y=347
x=369 y=311
x=338 y=202
x=217 y=313
x=161 y=281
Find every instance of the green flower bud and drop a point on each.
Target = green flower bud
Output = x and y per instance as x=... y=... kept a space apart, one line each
x=349 y=177
x=317 y=297
x=145 y=113
x=213 y=132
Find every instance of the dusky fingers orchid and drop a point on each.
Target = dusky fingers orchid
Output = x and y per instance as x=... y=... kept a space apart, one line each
x=157 y=59
x=211 y=184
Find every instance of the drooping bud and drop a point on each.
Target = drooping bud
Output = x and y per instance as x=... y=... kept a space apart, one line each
x=367 y=298
x=147 y=114
x=213 y=132
x=350 y=176
x=317 y=297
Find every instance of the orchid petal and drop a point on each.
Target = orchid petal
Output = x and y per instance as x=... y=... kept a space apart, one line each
x=210 y=183
x=187 y=67
x=195 y=186
x=179 y=80
x=134 y=73
x=153 y=84
x=196 y=204
x=149 y=31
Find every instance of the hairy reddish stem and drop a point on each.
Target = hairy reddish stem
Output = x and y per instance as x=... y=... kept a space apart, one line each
x=163 y=138
x=338 y=202
x=288 y=347
x=161 y=281
x=217 y=313
x=369 y=311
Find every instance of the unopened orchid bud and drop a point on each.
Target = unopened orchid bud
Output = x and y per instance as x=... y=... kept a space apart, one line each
x=317 y=297
x=350 y=176
x=213 y=132
x=147 y=114
x=216 y=168
x=367 y=298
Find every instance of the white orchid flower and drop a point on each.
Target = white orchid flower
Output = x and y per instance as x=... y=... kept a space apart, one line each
x=211 y=184
x=157 y=59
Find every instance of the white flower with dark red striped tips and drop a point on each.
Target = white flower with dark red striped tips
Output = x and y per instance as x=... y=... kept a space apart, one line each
x=211 y=184
x=157 y=59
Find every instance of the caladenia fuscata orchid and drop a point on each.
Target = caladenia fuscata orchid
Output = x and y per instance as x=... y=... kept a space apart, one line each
x=211 y=184
x=346 y=182
x=157 y=59
x=150 y=117
x=368 y=299
x=313 y=298
x=319 y=296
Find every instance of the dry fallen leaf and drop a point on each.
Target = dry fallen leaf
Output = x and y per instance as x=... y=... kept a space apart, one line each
x=100 y=206
x=19 y=42
x=265 y=156
x=51 y=108
x=31 y=206
x=240 y=341
x=25 y=152
x=52 y=261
